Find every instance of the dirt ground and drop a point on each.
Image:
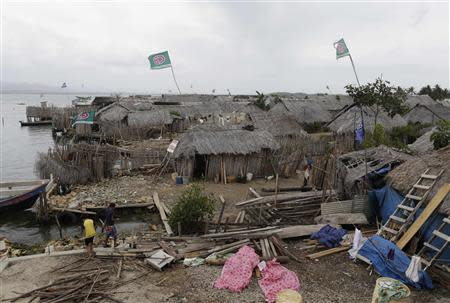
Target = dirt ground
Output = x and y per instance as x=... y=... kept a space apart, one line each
x=140 y=189
x=331 y=279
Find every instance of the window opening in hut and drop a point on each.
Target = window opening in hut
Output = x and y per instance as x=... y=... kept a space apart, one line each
x=200 y=166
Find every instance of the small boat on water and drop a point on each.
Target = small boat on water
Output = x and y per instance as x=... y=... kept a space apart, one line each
x=20 y=195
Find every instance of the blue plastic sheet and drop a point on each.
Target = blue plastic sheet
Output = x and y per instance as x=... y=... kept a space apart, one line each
x=385 y=201
x=329 y=236
x=376 y=249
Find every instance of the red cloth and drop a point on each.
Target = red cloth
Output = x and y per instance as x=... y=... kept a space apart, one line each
x=237 y=271
x=276 y=278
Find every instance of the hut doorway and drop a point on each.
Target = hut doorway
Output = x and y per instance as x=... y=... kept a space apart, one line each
x=200 y=166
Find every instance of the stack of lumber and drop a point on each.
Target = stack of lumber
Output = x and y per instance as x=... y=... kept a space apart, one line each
x=85 y=280
x=285 y=208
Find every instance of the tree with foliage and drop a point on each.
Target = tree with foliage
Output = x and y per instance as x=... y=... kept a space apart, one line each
x=261 y=101
x=379 y=95
x=436 y=93
x=441 y=137
x=193 y=207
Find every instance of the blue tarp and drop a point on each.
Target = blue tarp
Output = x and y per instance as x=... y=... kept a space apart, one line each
x=376 y=249
x=329 y=236
x=385 y=201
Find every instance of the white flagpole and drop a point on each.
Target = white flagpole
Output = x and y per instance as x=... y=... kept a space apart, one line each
x=174 y=79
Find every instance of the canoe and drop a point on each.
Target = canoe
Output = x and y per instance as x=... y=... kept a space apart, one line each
x=20 y=195
x=35 y=123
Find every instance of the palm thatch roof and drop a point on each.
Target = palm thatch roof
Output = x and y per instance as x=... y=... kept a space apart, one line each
x=407 y=174
x=216 y=140
x=332 y=103
x=147 y=113
x=149 y=118
x=412 y=101
x=346 y=122
x=423 y=144
x=427 y=113
x=303 y=111
x=278 y=124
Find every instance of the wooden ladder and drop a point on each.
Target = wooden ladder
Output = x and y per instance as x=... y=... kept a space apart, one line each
x=437 y=234
x=403 y=216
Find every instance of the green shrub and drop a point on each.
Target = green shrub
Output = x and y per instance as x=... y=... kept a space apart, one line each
x=192 y=209
x=441 y=137
x=378 y=135
x=401 y=136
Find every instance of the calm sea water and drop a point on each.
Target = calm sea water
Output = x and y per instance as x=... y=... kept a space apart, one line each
x=19 y=146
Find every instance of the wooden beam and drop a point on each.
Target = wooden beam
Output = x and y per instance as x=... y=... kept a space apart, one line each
x=428 y=211
x=219 y=221
x=162 y=214
x=254 y=192
x=328 y=252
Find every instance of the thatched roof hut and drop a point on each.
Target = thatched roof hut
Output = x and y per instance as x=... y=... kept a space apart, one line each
x=351 y=167
x=331 y=103
x=427 y=113
x=412 y=101
x=303 y=111
x=407 y=174
x=278 y=124
x=347 y=121
x=153 y=118
x=216 y=140
x=218 y=152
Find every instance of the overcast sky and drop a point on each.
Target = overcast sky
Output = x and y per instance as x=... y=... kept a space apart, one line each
x=244 y=46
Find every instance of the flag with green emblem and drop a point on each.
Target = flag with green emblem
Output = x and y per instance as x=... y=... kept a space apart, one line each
x=159 y=60
x=84 y=118
x=341 y=49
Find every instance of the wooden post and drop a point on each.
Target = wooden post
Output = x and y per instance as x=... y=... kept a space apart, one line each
x=59 y=227
x=276 y=189
x=221 y=213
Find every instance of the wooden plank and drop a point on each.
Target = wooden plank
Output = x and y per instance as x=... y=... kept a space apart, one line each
x=72 y=210
x=249 y=201
x=328 y=252
x=429 y=210
x=120 y=206
x=263 y=248
x=299 y=230
x=162 y=213
x=166 y=209
x=195 y=247
x=232 y=233
x=254 y=192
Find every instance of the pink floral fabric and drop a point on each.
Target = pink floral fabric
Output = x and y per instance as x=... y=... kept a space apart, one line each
x=276 y=278
x=237 y=271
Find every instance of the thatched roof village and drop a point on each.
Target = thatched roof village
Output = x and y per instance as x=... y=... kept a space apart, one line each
x=296 y=157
